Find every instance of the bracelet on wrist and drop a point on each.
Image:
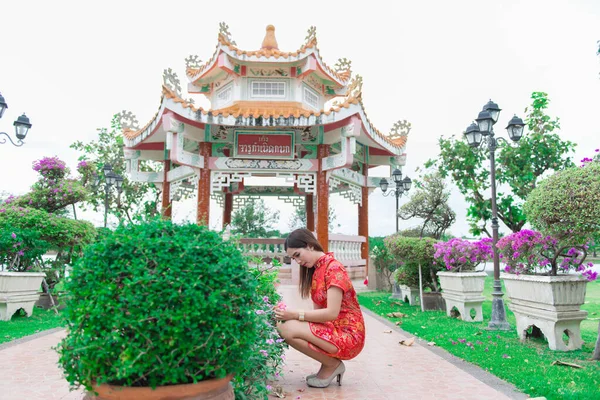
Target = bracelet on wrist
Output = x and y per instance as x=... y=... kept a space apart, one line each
x=300 y=315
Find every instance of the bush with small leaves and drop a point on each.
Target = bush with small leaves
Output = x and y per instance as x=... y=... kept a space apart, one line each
x=158 y=304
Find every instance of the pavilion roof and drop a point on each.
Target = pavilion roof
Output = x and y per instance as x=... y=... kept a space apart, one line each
x=269 y=52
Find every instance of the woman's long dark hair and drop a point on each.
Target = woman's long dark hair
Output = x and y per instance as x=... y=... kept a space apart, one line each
x=301 y=239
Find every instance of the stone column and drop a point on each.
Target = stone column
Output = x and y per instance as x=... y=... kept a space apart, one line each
x=203 y=217
x=322 y=199
x=166 y=204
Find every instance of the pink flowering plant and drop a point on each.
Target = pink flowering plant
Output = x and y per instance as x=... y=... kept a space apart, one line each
x=460 y=255
x=565 y=213
x=530 y=252
x=265 y=363
x=53 y=191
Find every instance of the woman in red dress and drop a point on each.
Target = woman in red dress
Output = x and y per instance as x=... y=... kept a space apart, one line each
x=335 y=329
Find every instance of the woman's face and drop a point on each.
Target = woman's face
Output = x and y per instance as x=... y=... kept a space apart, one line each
x=307 y=257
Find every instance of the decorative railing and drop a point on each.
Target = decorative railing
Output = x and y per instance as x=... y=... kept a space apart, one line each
x=345 y=248
x=263 y=248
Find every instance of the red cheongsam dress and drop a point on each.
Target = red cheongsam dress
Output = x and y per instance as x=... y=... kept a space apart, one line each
x=347 y=331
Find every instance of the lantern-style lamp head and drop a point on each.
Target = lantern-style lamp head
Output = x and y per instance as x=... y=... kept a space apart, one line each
x=397 y=176
x=107 y=169
x=406 y=183
x=3 y=105
x=111 y=178
x=473 y=135
x=22 y=126
x=515 y=128
x=493 y=109
x=485 y=122
x=383 y=184
x=119 y=183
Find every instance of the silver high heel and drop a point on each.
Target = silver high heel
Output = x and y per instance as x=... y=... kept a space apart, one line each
x=323 y=383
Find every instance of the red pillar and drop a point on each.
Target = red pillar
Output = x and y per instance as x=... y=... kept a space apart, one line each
x=204 y=186
x=166 y=205
x=310 y=212
x=227 y=208
x=322 y=199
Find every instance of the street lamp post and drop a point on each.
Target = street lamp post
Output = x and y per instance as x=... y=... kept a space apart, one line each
x=476 y=135
x=110 y=179
x=402 y=187
x=21 y=124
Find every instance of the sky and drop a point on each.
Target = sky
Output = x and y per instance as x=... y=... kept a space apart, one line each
x=71 y=65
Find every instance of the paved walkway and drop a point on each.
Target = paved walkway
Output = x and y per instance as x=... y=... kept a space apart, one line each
x=384 y=370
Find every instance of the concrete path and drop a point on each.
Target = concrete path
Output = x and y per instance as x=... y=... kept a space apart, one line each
x=384 y=369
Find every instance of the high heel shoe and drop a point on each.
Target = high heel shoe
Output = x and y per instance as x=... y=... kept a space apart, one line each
x=323 y=383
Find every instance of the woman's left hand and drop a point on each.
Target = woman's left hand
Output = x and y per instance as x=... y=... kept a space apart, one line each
x=285 y=315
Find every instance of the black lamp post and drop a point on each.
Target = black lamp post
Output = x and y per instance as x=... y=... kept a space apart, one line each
x=476 y=135
x=110 y=179
x=402 y=187
x=22 y=125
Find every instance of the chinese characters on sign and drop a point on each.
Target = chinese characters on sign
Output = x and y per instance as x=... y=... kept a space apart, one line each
x=265 y=145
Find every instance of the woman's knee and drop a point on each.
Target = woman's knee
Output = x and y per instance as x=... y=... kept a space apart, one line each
x=286 y=330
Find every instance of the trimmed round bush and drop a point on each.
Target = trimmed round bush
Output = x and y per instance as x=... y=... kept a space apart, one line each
x=565 y=205
x=157 y=304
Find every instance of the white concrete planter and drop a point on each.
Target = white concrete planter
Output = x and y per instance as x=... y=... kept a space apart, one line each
x=463 y=290
x=409 y=293
x=18 y=290
x=551 y=303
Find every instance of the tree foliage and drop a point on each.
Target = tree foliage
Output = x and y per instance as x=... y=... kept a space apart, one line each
x=138 y=199
x=254 y=219
x=298 y=219
x=519 y=167
x=430 y=203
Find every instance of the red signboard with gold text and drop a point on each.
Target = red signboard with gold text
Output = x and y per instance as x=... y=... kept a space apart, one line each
x=253 y=144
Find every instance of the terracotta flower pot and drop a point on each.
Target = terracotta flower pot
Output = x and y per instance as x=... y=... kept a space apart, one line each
x=213 y=389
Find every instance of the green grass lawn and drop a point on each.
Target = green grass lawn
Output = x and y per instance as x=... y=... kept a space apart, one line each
x=20 y=325
x=527 y=365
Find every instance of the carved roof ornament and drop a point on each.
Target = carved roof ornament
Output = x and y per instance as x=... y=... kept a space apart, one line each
x=355 y=87
x=171 y=81
x=400 y=130
x=193 y=61
x=269 y=42
x=311 y=35
x=224 y=30
x=343 y=64
x=128 y=120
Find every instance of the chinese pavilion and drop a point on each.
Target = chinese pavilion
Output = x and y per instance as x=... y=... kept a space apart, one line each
x=268 y=118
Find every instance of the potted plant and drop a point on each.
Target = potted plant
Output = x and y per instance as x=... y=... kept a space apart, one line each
x=19 y=283
x=462 y=286
x=37 y=215
x=545 y=273
x=413 y=253
x=158 y=310
x=406 y=279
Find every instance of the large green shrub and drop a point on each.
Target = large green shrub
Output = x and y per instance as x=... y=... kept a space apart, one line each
x=412 y=252
x=157 y=304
